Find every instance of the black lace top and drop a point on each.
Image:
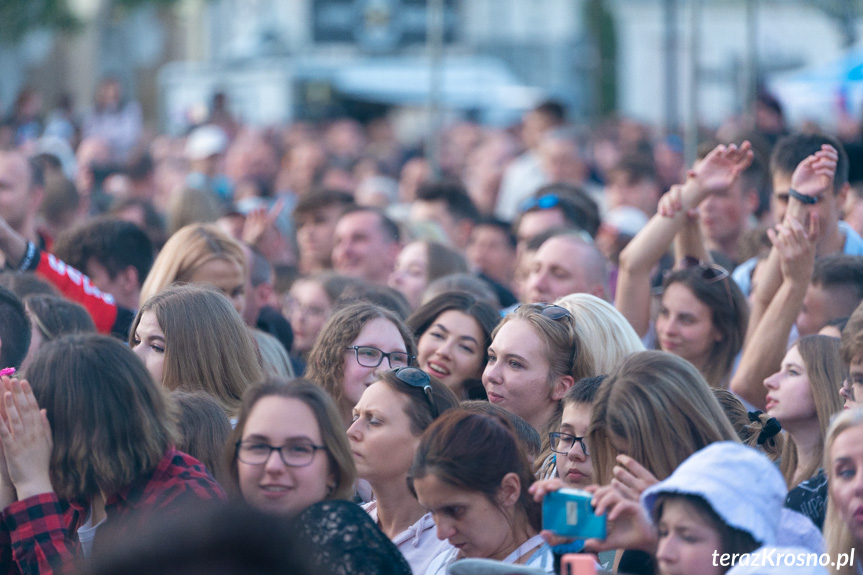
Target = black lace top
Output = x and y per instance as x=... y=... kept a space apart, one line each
x=341 y=539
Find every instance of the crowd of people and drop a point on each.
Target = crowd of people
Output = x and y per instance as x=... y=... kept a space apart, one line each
x=305 y=349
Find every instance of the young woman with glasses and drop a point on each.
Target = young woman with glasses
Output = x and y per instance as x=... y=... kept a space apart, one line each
x=289 y=456
x=453 y=332
x=702 y=314
x=473 y=475
x=358 y=342
x=389 y=419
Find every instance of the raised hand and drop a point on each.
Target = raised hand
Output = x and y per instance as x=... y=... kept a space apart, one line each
x=718 y=170
x=25 y=435
x=261 y=221
x=815 y=174
x=7 y=488
x=631 y=478
x=796 y=247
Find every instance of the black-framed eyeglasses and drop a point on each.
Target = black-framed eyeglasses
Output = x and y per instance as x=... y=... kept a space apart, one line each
x=544 y=202
x=562 y=442
x=368 y=356
x=293 y=454
x=415 y=377
x=550 y=310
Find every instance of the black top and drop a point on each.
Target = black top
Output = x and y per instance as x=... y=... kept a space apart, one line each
x=340 y=538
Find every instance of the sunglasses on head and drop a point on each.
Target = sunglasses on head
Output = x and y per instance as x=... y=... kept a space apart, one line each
x=544 y=202
x=415 y=377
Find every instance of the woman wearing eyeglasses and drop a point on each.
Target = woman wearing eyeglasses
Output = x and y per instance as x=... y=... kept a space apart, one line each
x=389 y=419
x=703 y=314
x=358 y=342
x=289 y=456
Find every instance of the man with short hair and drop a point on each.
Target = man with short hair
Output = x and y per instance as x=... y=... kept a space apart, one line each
x=835 y=292
x=557 y=205
x=633 y=182
x=492 y=250
x=116 y=255
x=449 y=206
x=725 y=216
x=366 y=244
x=566 y=263
x=14 y=330
x=21 y=191
x=835 y=236
x=315 y=217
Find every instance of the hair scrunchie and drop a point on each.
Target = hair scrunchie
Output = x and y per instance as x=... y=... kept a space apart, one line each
x=771 y=427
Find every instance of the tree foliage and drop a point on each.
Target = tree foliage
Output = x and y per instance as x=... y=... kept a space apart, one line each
x=17 y=17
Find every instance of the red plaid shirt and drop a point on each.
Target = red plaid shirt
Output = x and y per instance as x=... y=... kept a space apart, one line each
x=39 y=534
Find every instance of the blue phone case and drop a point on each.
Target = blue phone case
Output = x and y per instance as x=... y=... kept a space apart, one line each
x=568 y=512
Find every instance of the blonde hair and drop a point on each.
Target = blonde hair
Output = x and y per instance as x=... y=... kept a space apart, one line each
x=207 y=345
x=662 y=407
x=837 y=536
x=825 y=372
x=604 y=336
x=187 y=250
x=561 y=351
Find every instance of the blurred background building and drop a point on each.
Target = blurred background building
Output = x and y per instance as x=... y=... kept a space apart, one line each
x=277 y=60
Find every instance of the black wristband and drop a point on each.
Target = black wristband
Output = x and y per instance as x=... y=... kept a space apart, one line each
x=811 y=200
x=29 y=256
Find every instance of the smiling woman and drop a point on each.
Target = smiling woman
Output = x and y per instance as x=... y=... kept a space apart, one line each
x=453 y=332
x=289 y=456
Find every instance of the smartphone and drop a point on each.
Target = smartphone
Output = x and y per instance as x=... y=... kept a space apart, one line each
x=568 y=512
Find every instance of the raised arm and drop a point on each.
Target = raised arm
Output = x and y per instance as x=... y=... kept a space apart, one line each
x=811 y=178
x=717 y=171
x=794 y=248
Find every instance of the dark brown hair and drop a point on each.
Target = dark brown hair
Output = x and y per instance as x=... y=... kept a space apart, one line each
x=111 y=423
x=417 y=408
x=204 y=429
x=474 y=451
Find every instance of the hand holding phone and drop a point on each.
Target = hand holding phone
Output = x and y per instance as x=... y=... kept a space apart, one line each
x=568 y=512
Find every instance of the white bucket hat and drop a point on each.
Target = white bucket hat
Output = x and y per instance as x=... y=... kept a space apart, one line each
x=743 y=487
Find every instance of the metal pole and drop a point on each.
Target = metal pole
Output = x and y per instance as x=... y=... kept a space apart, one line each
x=672 y=104
x=751 y=59
x=692 y=81
x=434 y=44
